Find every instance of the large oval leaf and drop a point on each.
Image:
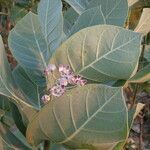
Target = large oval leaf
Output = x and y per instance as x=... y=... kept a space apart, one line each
x=6 y=81
x=101 y=53
x=28 y=44
x=84 y=117
x=50 y=17
x=9 y=88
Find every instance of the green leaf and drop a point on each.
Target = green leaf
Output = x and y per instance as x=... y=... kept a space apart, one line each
x=13 y=139
x=6 y=81
x=113 y=12
x=70 y=16
x=4 y=103
x=78 y=5
x=144 y=23
x=101 y=53
x=147 y=53
x=2 y=113
x=102 y=12
x=142 y=75
x=29 y=46
x=11 y=136
x=50 y=17
x=82 y=118
x=58 y=147
x=18 y=119
x=9 y=88
x=4 y=145
x=23 y=81
x=17 y=13
x=23 y=3
x=90 y=17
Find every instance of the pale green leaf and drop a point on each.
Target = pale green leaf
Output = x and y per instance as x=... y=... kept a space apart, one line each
x=51 y=20
x=101 y=53
x=82 y=118
x=144 y=23
x=28 y=44
x=142 y=75
x=114 y=11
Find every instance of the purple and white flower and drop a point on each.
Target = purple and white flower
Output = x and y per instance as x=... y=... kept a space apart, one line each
x=49 y=69
x=63 y=81
x=64 y=70
x=45 y=99
x=57 y=90
x=66 y=77
x=77 y=80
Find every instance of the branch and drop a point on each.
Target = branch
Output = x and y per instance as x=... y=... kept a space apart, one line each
x=2 y=13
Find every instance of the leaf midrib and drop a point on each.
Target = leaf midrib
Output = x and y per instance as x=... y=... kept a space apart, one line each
x=88 y=120
x=42 y=58
x=111 y=51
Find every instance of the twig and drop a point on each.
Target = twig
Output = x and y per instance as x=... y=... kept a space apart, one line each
x=134 y=95
x=141 y=133
x=2 y=13
x=136 y=85
x=146 y=135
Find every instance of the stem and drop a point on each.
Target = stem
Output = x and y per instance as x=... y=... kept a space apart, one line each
x=136 y=85
x=134 y=95
x=141 y=133
x=47 y=145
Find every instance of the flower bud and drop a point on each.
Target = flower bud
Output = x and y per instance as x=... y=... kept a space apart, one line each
x=45 y=98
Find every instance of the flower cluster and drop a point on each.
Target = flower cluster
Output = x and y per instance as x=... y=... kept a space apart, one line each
x=67 y=78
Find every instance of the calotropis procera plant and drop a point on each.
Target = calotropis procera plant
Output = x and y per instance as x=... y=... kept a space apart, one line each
x=63 y=89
